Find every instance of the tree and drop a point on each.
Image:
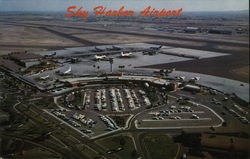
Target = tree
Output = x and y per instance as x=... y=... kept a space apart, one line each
x=134 y=154
x=212 y=128
x=224 y=124
x=122 y=141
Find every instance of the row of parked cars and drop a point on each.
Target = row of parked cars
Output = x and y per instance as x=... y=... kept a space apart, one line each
x=145 y=98
x=237 y=115
x=173 y=110
x=86 y=121
x=116 y=100
x=100 y=99
x=110 y=126
x=67 y=119
x=83 y=119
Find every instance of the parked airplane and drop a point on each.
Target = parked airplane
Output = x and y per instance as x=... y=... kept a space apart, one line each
x=67 y=72
x=73 y=60
x=126 y=54
x=38 y=73
x=100 y=57
x=44 y=78
x=181 y=78
x=149 y=52
x=155 y=48
x=51 y=55
x=170 y=70
x=195 y=79
x=167 y=71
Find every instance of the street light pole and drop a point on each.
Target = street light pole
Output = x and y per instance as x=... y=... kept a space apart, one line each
x=111 y=61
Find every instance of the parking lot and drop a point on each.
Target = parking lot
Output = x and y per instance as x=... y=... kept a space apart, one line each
x=90 y=124
x=110 y=99
x=98 y=108
x=179 y=115
x=88 y=110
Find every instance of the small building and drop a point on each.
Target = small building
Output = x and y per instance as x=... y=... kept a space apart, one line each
x=26 y=59
x=10 y=64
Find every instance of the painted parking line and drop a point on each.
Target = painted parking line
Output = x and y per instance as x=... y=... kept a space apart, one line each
x=196 y=112
x=173 y=127
x=167 y=120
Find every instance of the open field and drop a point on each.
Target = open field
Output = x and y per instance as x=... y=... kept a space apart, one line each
x=23 y=35
x=113 y=143
x=161 y=147
x=225 y=142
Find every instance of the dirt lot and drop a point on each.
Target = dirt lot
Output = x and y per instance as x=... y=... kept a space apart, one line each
x=224 y=142
x=14 y=38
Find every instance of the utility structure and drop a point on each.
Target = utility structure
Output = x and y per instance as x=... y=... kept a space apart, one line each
x=111 y=61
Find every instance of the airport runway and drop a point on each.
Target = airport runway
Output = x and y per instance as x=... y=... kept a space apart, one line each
x=70 y=37
x=49 y=47
x=134 y=33
x=219 y=66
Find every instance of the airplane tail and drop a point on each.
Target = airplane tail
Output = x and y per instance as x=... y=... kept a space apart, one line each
x=68 y=71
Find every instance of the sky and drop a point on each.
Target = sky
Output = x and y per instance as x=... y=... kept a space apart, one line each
x=62 y=5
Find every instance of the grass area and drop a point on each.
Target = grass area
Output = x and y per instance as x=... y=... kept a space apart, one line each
x=28 y=126
x=152 y=95
x=78 y=100
x=23 y=150
x=45 y=103
x=126 y=142
x=225 y=142
x=8 y=102
x=160 y=147
x=120 y=120
x=35 y=153
x=88 y=151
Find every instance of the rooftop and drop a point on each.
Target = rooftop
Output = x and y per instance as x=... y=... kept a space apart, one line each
x=24 y=56
x=10 y=64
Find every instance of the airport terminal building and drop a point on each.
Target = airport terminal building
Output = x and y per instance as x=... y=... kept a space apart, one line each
x=26 y=59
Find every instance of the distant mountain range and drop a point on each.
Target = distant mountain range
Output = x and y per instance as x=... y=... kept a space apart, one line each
x=242 y=14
